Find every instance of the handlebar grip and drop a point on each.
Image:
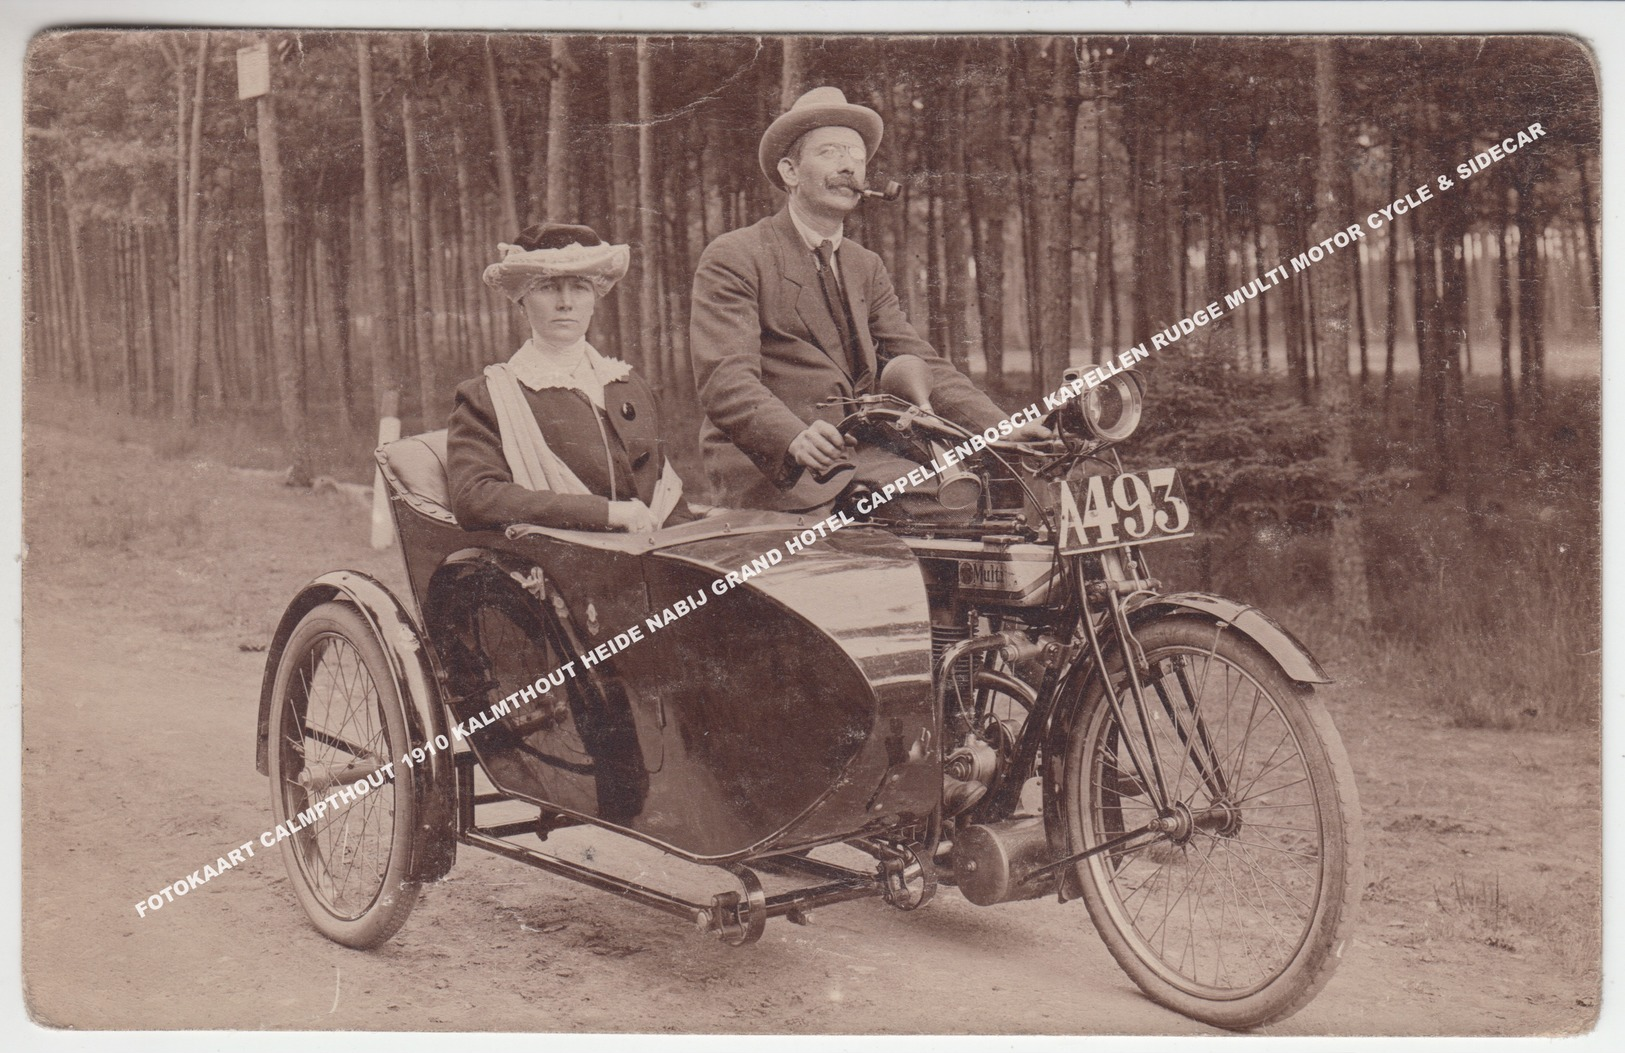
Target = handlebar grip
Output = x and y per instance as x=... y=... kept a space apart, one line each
x=832 y=471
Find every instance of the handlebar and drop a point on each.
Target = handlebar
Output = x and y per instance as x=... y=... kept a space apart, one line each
x=908 y=415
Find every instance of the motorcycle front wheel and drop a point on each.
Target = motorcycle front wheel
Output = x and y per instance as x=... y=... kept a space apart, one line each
x=336 y=722
x=1236 y=907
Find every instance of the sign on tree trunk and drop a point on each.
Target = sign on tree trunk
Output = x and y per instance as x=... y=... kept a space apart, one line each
x=253 y=71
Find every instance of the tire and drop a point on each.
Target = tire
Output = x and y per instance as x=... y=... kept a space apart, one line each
x=1238 y=916
x=336 y=719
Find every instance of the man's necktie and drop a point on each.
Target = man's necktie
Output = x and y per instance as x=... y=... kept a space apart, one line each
x=835 y=299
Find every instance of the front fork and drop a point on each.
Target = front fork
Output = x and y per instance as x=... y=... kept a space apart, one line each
x=1122 y=577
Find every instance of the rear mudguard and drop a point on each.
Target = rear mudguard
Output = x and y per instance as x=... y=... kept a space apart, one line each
x=434 y=781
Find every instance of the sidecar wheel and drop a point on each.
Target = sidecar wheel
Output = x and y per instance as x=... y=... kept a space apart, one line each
x=1240 y=914
x=336 y=721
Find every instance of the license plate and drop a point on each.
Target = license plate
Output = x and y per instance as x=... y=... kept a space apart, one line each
x=1131 y=509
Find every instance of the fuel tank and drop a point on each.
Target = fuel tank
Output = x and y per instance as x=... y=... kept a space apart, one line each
x=988 y=572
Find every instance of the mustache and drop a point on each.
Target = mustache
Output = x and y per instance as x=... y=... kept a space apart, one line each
x=840 y=182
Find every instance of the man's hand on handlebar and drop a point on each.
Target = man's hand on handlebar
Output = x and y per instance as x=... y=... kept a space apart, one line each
x=1032 y=431
x=821 y=447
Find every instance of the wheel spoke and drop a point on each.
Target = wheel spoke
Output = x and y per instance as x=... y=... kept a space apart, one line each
x=1222 y=908
x=335 y=738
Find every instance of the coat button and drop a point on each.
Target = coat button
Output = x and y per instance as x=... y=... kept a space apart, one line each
x=629 y=411
x=640 y=460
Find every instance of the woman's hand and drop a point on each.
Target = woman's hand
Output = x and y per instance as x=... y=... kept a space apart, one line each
x=632 y=516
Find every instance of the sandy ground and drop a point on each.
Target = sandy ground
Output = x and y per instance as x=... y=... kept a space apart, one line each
x=146 y=580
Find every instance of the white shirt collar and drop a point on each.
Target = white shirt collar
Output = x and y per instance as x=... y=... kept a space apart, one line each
x=810 y=236
x=560 y=370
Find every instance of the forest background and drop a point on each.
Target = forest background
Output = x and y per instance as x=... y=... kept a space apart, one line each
x=1398 y=446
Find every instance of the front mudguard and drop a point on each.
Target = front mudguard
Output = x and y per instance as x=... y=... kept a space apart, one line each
x=434 y=783
x=1289 y=653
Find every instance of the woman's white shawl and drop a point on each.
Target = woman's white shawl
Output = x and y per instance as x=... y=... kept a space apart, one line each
x=535 y=466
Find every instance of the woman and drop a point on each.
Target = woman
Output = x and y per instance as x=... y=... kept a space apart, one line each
x=559 y=435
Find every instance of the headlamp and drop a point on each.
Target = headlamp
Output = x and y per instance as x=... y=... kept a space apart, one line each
x=1111 y=410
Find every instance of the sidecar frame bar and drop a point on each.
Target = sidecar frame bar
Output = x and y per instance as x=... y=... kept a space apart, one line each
x=840 y=884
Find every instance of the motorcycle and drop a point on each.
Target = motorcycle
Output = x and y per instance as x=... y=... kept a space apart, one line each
x=1003 y=701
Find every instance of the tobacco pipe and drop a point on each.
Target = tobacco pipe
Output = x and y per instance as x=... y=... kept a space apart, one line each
x=893 y=191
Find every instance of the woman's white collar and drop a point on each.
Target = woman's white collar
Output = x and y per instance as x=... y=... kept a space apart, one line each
x=537 y=371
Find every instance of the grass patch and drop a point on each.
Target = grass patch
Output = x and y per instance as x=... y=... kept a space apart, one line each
x=1481 y=910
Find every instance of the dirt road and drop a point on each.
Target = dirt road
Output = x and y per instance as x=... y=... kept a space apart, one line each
x=144 y=580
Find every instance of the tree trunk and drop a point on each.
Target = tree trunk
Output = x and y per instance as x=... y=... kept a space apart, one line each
x=681 y=180
x=79 y=299
x=1054 y=64
x=985 y=205
x=1358 y=266
x=149 y=319
x=434 y=258
x=283 y=337
x=1216 y=275
x=1310 y=340
x=1182 y=252
x=378 y=321
x=1103 y=345
x=499 y=145
x=1350 y=593
x=190 y=300
x=1391 y=308
x=428 y=388
x=63 y=322
x=648 y=255
x=127 y=318
x=59 y=322
x=1503 y=313
x=792 y=74
x=1154 y=300
x=177 y=330
x=1448 y=395
x=560 y=199
x=1262 y=301
x=1021 y=139
x=213 y=310
x=956 y=247
x=936 y=281
x=470 y=289
x=1531 y=357
x=1588 y=226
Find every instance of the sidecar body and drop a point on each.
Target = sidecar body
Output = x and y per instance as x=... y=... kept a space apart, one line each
x=739 y=687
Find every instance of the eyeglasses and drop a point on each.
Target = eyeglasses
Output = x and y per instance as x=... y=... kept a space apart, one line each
x=836 y=151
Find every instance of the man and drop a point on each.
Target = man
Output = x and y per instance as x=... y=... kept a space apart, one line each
x=788 y=313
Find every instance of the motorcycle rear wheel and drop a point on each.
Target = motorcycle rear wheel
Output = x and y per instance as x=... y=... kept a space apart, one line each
x=1239 y=916
x=336 y=720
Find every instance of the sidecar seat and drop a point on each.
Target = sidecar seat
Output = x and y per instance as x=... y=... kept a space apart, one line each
x=415 y=469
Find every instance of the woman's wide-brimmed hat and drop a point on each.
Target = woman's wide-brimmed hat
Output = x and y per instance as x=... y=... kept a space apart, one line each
x=557 y=250
x=819 y=108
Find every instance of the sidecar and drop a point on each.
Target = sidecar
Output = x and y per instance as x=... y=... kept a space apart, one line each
x=734 y=691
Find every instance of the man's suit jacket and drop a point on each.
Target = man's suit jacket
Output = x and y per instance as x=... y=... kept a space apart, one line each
x=766 y=352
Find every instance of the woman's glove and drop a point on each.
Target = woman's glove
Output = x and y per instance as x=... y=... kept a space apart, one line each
x=632 y=516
